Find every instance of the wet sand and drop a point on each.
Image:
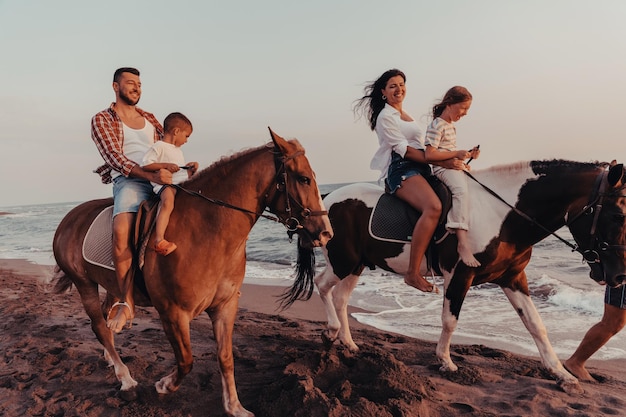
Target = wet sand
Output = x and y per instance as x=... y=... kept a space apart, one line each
x=52 y=365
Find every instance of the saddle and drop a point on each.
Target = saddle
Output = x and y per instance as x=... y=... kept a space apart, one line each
x=393 y=220
x=98 y=243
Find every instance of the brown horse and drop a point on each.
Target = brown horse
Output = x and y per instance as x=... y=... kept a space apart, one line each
x=512 y=208
x=205 y=273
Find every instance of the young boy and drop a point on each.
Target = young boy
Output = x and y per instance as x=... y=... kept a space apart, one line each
x=166 y=154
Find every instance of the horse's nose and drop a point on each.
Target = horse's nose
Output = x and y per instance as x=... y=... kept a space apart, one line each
x=325 y=236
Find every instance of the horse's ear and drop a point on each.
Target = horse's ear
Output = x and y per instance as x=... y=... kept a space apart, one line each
x=616 y=175
x=279 y=142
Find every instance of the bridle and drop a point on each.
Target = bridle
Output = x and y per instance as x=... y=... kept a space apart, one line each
x=591 y=255
x=594 y=206
x=291 y=223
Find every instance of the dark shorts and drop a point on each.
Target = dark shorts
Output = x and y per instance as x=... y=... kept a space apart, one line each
x=401 y=169
x=616 y=296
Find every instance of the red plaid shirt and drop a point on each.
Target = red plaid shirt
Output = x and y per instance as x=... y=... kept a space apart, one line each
x=107 y=132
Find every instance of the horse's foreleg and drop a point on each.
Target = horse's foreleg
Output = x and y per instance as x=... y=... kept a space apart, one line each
x=341 y=296
x=527 y=311
x=91 y=302
x=325 y=282
x=449 y=321
x=223 y=323
x=176 y=327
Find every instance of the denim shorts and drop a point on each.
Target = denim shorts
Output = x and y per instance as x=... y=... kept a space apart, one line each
x=615 y=296
x=128 y=193
x=401 y=169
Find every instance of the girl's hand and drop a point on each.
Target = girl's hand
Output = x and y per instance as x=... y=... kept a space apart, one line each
x=463 y=155
x=474 y=152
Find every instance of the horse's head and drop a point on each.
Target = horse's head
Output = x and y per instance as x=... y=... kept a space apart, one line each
x=601 y=231
x=297 y=199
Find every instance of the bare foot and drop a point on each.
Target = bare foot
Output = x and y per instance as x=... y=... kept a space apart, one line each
x=121 y=313
x=579 y=371
x=468 y=257
x=421 y=284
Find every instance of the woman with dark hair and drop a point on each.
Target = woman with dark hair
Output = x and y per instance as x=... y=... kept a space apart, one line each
x=402 y=163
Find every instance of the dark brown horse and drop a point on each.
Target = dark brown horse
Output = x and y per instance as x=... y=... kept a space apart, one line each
x=206 y=271
x=512 y=208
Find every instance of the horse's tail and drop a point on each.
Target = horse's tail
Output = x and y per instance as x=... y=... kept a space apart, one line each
x=63 y=282
x=302 y=288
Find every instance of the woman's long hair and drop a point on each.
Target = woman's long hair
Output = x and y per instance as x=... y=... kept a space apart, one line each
x=372 y=103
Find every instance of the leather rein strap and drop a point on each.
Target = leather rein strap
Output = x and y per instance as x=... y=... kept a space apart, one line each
x=291 y=223
x=595 y=205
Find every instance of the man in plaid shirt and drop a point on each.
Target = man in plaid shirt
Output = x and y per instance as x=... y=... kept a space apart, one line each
x=123 y=133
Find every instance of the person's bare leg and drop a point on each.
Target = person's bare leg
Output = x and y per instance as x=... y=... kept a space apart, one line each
x=163 y=216
x=417 y=192
x=463 y=247
x=612 y=322
x=122 y=259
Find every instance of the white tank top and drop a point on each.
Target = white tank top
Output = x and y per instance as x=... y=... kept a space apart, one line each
x=136 y=143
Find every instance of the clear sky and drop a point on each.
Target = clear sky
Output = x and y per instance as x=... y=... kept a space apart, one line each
x=547 y=76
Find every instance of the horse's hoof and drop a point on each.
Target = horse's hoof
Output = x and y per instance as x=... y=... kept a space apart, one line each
x=239 y=411
x=352 y=347
x=165 y=386
x=571 y=387
x=326 y=340
x=129 y=395
x=448 y=367
x=160 y=387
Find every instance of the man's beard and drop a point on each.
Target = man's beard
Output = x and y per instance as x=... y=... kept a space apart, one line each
x=128 y=100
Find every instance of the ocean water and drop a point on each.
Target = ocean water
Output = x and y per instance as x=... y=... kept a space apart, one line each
x=568 y=301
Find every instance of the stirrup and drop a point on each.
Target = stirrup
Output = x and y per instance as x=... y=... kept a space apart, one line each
x=122 y=304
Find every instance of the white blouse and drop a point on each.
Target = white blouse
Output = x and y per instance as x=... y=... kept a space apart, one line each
x=394 y=134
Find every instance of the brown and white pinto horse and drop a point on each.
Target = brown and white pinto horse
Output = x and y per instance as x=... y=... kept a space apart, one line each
x=205 y=273
x=519 y=205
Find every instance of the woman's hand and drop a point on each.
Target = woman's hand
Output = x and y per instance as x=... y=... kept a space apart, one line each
x=452 y=163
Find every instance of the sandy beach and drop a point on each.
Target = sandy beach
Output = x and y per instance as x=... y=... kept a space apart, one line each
x=52 y=365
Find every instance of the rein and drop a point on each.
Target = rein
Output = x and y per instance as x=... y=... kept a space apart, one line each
x=594 y=206
x=292 y=224
x=224 y=204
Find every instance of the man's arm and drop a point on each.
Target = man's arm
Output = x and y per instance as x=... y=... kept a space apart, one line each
x=159 y=176
x=105 y=134
x=155 y=166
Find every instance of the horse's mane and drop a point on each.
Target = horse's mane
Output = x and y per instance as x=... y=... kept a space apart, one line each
x=544 y=166
x=506 y=168
x=225 y=160
x=228 y=158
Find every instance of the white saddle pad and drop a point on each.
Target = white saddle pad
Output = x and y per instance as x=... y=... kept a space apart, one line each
x=98 y=243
